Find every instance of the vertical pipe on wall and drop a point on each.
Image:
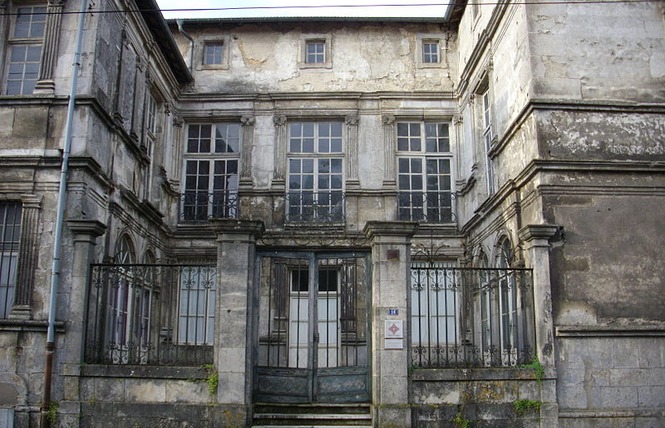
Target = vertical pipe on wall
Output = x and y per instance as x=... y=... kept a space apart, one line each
x=59 y=222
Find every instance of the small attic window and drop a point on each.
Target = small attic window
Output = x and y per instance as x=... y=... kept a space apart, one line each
x=315 y=51
x=214 y=54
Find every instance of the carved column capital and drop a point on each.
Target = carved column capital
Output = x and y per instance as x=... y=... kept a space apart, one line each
x=388 y=119
x=279 y=120
x=351 y=120
x=248 y=120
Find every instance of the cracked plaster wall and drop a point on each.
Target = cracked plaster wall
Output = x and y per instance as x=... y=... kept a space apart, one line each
x=369 y=57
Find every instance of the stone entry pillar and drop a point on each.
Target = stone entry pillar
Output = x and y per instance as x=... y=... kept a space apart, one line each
x=391 y=261
x=537 y=246
x=85 y=234
x=235 y=271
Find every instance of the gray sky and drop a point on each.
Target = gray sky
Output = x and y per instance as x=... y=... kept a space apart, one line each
x=381 y=8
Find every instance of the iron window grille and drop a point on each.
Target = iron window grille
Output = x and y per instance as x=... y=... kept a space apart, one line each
x=168 y=314
x=470 y=317
x=10 y=232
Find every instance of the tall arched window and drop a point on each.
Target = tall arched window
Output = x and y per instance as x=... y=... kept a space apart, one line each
x=507 y=303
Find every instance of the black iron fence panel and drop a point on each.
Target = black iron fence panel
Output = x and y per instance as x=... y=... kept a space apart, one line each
x=466 y=317
x=151 y=314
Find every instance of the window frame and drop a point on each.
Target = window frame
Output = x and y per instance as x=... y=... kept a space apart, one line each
x=206 y=283
x=318 y=155
x=426 y=157
x=9 y=253
x=423 y=40
x=488 y=136
x=306 y=41
x=27 y=41
x=214 y=159
x=224 y=57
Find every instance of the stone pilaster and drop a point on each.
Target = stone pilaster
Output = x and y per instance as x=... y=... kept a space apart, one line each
x=236 y=251
x=45 y=83
x=389 y=147
x=281 y=136
x=246 y=151
x=28 y=250
x=352 y=180
x=391 y=262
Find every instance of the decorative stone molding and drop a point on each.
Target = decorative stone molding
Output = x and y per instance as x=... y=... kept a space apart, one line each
x=280 y=151
x=389 y=144
x=351 y=122
x=246 y=150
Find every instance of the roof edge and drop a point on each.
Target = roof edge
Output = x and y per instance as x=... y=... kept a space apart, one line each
x=164 y=38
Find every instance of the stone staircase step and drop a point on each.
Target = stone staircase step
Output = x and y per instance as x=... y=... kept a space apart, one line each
x=312 y=415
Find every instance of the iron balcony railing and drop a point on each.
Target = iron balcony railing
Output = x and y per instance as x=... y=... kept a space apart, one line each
x=315 y=207
x=150 y=314
x=429 y=206
x=198 y=207
x=470 y=317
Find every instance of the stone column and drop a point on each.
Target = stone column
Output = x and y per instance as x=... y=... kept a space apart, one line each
x=352 y=181
x=246 y=151
x=235 y=271
x=27 y=256
x=389 y=147
x=45 y=83
x=281 y=136
x=391 y=262
x=85 y=237
x=536 y=239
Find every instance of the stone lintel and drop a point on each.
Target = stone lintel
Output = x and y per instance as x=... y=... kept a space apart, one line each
x=374 y=229
x=538 y=231
x=254 y=228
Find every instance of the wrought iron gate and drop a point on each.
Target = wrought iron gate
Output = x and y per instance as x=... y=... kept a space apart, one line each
x=312 y=328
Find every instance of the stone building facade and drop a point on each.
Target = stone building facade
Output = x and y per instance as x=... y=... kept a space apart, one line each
x=393 y=222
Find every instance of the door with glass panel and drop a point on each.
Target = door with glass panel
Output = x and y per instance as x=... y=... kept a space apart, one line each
x=312 y=328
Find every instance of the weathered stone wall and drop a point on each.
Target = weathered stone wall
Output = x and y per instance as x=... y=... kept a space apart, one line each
x=366 y=57
x=150 y=397
x=598 y=52
x=481 y=397
x=609 y=380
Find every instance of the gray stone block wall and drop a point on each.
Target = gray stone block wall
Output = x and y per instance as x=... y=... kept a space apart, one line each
x=603 y=381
